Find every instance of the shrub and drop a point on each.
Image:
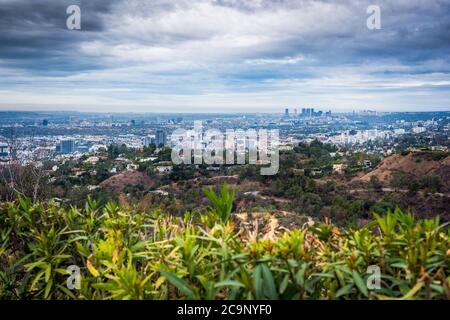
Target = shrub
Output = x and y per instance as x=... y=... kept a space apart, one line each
x=431 y=183
x=222 y=202
x=131 y=254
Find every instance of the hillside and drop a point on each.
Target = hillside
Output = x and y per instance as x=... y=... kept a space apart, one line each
x=118 y=182
x=415 y=165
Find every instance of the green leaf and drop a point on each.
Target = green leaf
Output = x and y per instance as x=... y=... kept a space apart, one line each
x=37 y=278
x=31 y=266
x=323 y=275
x=400 y=265
x=344 y=291
x=257 y=282
x=413 y=291
x=269 y=283
x=48 y=272
x=66 y=291
x=48 y=287
x=284 y=284
x=228 y=283
x=300 y=276
x=179 y=283
x=360 y=283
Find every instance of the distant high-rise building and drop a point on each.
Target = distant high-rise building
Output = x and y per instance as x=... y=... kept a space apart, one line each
x=45 y=122
x=308 y=112
x=295 y=111
x=67 y=146
x=4 y=150
x=160 y=137
x=286 y=111
x=148 y=141
x=312 y=112
x=304 y=112
x=133 y=122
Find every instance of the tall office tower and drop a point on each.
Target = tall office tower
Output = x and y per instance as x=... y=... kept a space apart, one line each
x=4 y=150
x=161 y=137
x=295 y=111
x=286 y=111
x=304 y=112
x=312 y=112
x=67 y=146
x=148 y=141
x=308 y=112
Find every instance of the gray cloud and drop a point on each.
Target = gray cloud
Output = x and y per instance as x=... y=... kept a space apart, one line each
x=197 y=48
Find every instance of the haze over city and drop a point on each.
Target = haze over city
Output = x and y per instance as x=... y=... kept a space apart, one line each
x=224 y=56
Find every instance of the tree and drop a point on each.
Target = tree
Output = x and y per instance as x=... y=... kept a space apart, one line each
x=431 y=183
x=413 y=187
x=23 y=173
x=399 y=180
x=375 y=185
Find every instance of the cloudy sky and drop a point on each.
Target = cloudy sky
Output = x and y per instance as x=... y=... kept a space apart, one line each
x=224 y=55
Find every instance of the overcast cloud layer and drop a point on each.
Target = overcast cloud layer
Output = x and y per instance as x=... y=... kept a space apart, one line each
x=224 y=55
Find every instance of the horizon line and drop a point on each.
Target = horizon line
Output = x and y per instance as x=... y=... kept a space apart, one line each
x=222 y=113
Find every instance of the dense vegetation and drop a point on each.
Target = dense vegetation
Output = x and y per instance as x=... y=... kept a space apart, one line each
x=126 y=253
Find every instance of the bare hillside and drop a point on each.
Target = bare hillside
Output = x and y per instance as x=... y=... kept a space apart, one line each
x=414 y=164
x=117 y=182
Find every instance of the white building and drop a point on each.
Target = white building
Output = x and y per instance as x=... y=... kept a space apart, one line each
x=132 y=167
x=164 y=169
x=418 y=129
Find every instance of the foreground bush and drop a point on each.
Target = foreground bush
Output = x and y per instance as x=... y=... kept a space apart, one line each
x=126 y=254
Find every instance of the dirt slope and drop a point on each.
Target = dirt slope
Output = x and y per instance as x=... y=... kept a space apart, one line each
x=119 y=181
x=414 y=164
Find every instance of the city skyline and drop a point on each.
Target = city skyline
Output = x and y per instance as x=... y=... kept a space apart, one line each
x=224 y=56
